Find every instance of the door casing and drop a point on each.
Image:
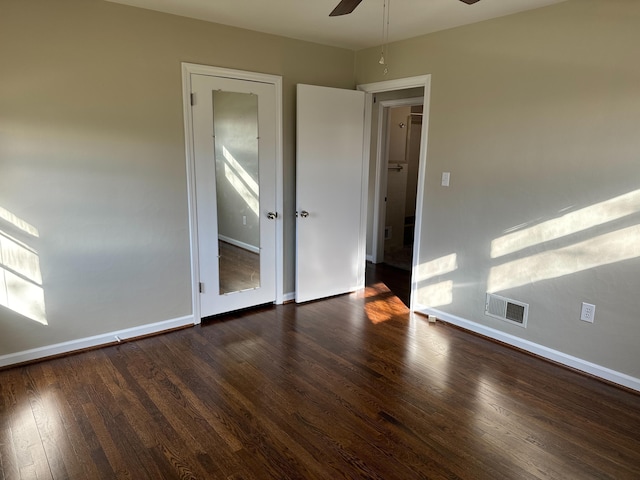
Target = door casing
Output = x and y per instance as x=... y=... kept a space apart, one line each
x=402 y=84
x=187 y=70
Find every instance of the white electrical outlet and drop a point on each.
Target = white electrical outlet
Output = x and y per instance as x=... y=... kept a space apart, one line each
x=588 y=312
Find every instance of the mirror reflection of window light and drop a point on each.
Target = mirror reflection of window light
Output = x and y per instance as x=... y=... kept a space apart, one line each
x=241 y=181
x=241 y=188
x=240 y=171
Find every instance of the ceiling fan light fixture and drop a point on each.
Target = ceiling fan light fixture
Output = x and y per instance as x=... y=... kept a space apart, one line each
x=347 y=6
x=344 y=7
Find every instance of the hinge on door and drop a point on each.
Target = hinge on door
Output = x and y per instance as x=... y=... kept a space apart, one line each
x=201 y=287
x=192 y=99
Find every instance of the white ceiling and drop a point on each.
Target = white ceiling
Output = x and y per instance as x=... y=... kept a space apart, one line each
x=309 y=19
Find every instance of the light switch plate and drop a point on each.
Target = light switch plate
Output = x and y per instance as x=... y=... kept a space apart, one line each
x=445 y=178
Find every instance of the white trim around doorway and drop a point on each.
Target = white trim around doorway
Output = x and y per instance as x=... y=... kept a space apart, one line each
x=402 y=84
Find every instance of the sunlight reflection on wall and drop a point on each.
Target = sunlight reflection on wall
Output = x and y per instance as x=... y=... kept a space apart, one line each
x=436 y=294
x=20 y=277
x=604 y=249
x=580 y=220
x=437 y=267
x=10 y=218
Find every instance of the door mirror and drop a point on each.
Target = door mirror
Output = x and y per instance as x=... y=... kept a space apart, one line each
x=235 y=125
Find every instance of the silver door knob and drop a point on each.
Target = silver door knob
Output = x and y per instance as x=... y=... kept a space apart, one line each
x=304 y=214
x=272 y=215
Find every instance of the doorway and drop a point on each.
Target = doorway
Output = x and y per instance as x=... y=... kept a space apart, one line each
x=413 y=92
x=402 y=126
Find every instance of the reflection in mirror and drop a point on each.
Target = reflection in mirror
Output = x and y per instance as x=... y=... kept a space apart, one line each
x=235 y=124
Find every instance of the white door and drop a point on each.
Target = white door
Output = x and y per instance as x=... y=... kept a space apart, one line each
x=330 y=181
x=234 y=142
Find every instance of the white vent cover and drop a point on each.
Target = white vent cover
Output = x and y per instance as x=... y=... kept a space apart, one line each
x=506 y=309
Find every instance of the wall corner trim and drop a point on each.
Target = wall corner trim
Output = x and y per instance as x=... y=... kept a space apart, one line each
x=94 y=341
x=556 y=356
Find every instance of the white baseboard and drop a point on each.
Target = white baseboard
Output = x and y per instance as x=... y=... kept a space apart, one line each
x=239 y=244
x=289 y=297
x=95 y=341
x=540 y=350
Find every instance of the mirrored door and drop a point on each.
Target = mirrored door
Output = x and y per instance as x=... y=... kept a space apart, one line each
x=234 y=145
x=236 y=154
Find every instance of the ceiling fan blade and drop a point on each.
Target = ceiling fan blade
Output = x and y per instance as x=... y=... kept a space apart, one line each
x=469 y=2
x=345 y=7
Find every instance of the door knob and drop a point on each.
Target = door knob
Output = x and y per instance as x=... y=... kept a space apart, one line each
x=304 y=214
x=272 y=215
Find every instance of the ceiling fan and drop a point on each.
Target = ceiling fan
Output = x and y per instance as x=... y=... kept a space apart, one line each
x=347 y=6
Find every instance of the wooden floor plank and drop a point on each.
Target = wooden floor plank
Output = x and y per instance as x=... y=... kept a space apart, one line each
x=8 y=457
x=31 y=458
x=349 y=387
x=150 y=416
x=71 y=440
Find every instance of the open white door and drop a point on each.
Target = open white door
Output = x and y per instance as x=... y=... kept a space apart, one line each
x=330 y=181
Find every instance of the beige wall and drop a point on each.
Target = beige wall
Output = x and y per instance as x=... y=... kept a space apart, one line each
x=92 y=156
x=536 y=116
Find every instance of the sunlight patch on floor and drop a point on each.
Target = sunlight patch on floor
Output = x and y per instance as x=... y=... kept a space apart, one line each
x=381 y=304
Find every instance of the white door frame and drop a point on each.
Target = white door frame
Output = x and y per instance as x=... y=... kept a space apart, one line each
x=187 y=70
x=402 y=84
x=382 y=160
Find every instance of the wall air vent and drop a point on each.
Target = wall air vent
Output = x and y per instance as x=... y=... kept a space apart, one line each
x=506 y=309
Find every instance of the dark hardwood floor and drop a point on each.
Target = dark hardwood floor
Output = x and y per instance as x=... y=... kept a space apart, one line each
x=351 y=387
x=239 y=268
x=396 y=279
